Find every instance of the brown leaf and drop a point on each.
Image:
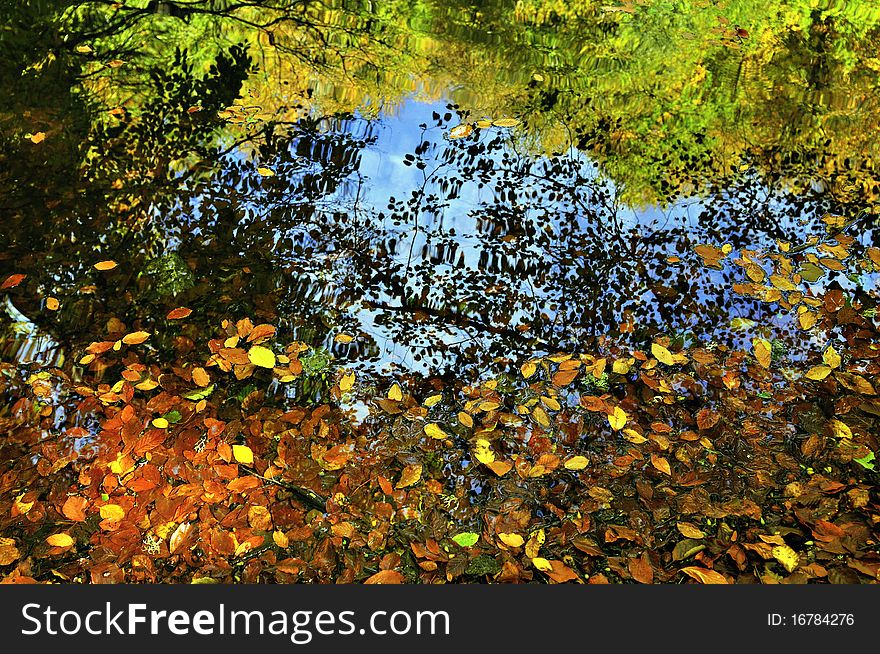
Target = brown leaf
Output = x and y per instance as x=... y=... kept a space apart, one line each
x=385 y=577
x=410 y=475
x=641 y=569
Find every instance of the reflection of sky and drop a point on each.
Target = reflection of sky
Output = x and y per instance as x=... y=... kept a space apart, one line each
x=382 y=175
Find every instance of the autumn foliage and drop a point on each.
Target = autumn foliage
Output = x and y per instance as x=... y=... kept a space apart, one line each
x=663 y=464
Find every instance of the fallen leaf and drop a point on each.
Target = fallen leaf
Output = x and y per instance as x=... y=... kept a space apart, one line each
x=12 y=281
x=385 y=577
x=178 y=313
x=617 y=419
x=135 y=338
x=261 y=356
x=112 y=512
x=243 y=454
x=763 y=351
x=662 y=354
x=576 y=463
x=433 y=430
x=466 y=539
x=511 y=540
x=60 y=540
x=410 y=475
x=106 y=265
x=704 y=575
x=786 y=556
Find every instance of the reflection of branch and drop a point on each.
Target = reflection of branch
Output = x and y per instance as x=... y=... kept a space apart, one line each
x=455 y=318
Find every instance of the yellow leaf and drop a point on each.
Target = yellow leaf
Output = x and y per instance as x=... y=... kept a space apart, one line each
x=261 y=356
x=112 y=512
x=528 y=369
x=541 y=416
x=763 y=351
x=662 y=354
x=39 y=137
x=434 y=399
x=506 y=122
x=533 y=546
x=551 y=403
x=160 y=423
x=840 y=429
x=483 y=452
x=633 y=436
x=622 y=366
x=280 y=539
x=831 y=357
x=782 y=283
x=807 y=319
x=343 y=338
x=52 y=303
x=60 y=540
x=617 y=419
x=576 y=463
x=786 y=556
x=266 y=172
x=542 y=564
x=105 y=265
x=347 y=382
x=433 y=430
x=465 y=419
x=394 y=393
x=410 y=475
x=818 y=373
x=511 y=540
x=243 y=454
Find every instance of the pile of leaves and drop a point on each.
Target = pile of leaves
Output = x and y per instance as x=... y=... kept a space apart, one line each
x=677 y=462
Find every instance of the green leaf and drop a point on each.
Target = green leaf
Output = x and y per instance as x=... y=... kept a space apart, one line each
x=173 y=416
x=196 y=395
x=466 y=539
x=866 y=461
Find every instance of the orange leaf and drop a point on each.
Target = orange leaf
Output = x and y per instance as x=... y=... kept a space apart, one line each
x=704 y=575
x=661 y=464
x=201 y=377
x=105 y=265
x=261 y=332
x=74 y=508
x=385 y=577
x=135 y=338
x=178 y=313
x=12 y=280
x=500 y=468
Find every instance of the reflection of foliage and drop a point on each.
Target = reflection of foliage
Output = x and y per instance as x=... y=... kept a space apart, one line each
x=169 y=274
